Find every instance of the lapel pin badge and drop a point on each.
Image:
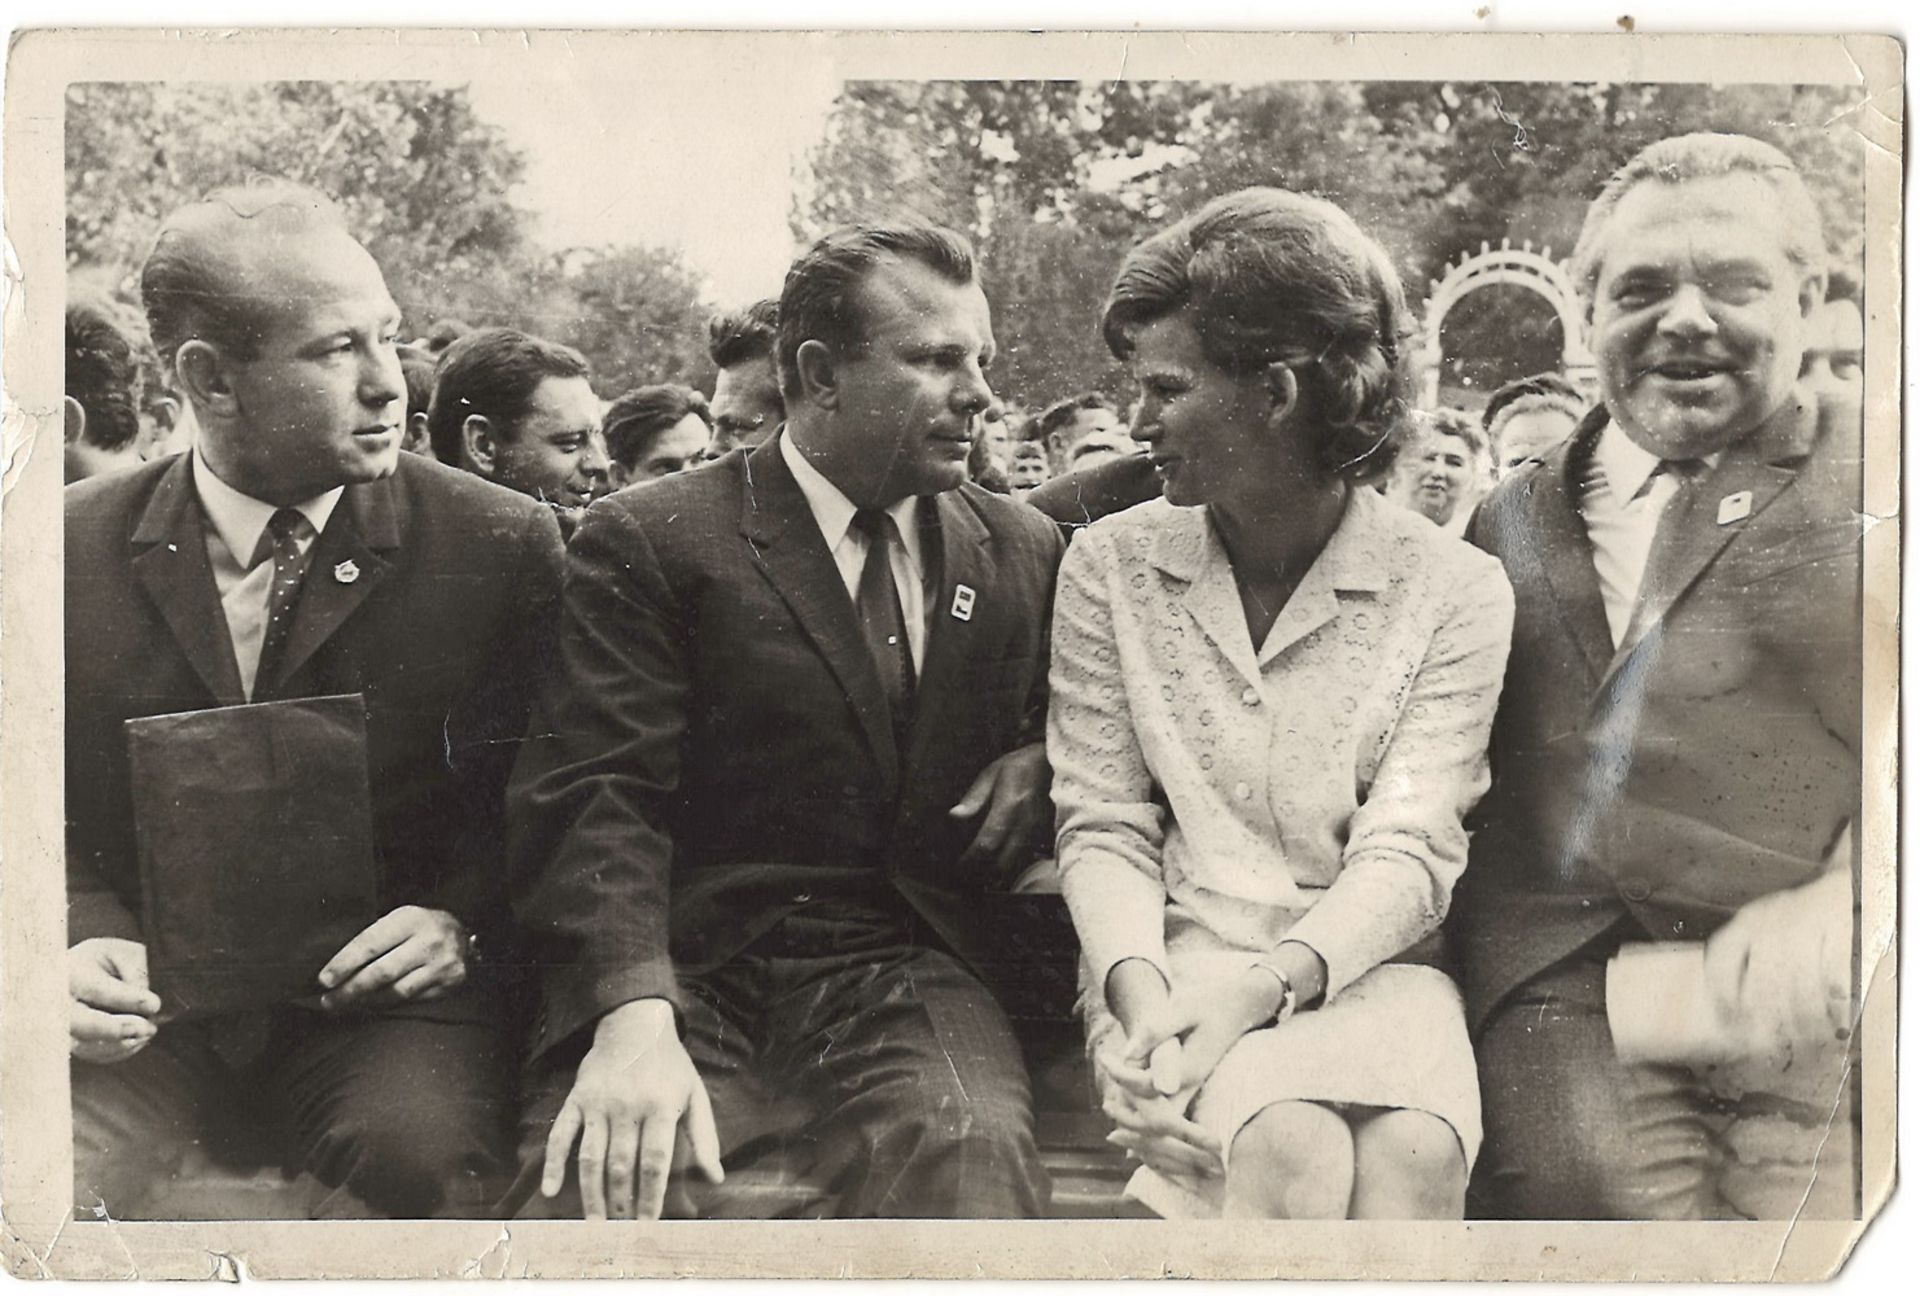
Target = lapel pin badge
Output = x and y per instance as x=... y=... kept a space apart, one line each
x=963 y=602
x=347 y=572
x=1735 y=506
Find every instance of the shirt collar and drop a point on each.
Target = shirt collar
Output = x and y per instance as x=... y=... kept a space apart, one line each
x=833 y=511
x=1627 y=464
x=240 y=519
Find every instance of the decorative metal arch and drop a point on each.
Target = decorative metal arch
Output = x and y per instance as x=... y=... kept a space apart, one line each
x=1521 y=267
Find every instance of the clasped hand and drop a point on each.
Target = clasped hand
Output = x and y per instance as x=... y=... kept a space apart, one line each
x=1175 y=1039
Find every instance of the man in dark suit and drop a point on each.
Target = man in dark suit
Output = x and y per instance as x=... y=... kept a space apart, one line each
x=1677 y=752
x=295 y=553
x=796 y=733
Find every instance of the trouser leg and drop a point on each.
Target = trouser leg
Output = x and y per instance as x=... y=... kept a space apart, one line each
x=135 y=1122
x=925 y=1103
x=398 y=1116
x=1571 y=1131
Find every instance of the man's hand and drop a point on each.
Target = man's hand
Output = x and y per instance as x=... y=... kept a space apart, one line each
x=634 y=1091
x=1782 y=966
x=112 y=1013
x=412 y=953
x=1013 y=791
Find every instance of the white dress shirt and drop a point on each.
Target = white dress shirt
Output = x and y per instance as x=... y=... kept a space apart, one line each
x=235 y=523
x=1622 y=506
x=833 y=512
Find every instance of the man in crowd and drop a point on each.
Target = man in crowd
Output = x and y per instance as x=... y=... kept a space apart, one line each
x=1677 y=753
x=295 y=553
x=103 y=393
x=1066 y=424
x=654 y=432
x=1528 y=417
x=1442 y=470
x=1029 y=469
x=798 y=730
x=520 y=411
x=417 y=366
x=747 y=403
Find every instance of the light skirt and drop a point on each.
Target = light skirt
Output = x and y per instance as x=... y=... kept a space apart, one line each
x=1397 y=1037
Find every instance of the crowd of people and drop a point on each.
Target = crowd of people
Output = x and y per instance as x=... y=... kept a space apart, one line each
x=1378 y=753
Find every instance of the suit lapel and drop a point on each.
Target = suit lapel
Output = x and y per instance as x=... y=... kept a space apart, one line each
x=361 y=531
x=788 y=548
x=170 y=561
x=951 y=529
x=1693 y=537
x=1548 y=528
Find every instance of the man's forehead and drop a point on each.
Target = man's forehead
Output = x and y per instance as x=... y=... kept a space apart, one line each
x=1658 y=215
x=922 y=299
x=324 y=269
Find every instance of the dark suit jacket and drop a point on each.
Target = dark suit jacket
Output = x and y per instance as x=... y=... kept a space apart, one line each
x=444 y=629
x=1713 y=762
x=717 y=745
x=1081 y=498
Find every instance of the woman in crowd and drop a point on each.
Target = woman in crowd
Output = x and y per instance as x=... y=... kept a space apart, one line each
x=1272 y=692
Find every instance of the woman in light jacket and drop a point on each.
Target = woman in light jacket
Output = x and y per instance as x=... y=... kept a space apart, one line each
x=1272 y=691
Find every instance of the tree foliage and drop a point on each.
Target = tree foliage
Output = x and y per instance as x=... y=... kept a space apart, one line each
x=426 y=185
x=1055 y=180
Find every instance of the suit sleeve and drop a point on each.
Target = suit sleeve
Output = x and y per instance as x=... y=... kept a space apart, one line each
x=1111 y=831
x=588 y=839
x=1406 y=846
x=484 y=735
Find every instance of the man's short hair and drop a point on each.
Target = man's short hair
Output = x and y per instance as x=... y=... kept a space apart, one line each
x=747 y=334
x=635 y=420
x=1704 y=156
x=188 y=283
x=1062 y=413
x=418 y=368
x=1536 y=391
x=103 y=374
x=821 y=299
x=492 y=372
x=445 y=333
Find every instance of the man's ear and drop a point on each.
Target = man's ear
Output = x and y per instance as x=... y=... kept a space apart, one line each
x=1283 y=390
x=418 y=439
x=479 y=445
x=818 y=369
x=76 y=420
x=206 y=375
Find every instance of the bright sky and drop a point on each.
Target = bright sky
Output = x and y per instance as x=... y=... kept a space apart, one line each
x=699 y=157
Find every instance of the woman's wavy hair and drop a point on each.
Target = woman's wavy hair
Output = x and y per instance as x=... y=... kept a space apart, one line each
x=1268 y=276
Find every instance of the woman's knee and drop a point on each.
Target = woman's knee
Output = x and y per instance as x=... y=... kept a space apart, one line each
x=1408 y=1165
x=1292 y=1160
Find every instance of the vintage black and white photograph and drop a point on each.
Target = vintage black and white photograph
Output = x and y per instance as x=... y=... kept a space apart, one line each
x=1197 y=646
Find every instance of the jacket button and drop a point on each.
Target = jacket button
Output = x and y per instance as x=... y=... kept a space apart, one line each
x=1242 y=791
x=1635 y=889
x=1251 y=697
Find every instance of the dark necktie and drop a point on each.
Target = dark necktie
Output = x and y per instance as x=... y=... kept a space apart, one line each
x=882 y=621
x=285 y=531
x=1658 y=578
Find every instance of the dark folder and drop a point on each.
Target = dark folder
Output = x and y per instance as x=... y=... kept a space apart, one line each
x=255 y=829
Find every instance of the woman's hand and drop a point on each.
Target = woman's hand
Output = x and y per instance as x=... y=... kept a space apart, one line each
x=1203 y=1022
